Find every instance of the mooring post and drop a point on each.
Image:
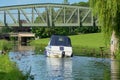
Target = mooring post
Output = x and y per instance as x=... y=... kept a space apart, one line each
x=102 y=51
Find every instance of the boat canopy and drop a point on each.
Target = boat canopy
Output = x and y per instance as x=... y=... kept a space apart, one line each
x=60 y=41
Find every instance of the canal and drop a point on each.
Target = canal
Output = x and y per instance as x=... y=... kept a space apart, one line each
x=39 y=67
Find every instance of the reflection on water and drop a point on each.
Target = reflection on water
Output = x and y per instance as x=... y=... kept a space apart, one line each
x=115 y=69
x=23 y=48
x=88 y=68
x=59 y=68
x=40 y=67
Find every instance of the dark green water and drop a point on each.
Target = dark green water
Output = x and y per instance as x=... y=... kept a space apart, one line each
x=40 y=67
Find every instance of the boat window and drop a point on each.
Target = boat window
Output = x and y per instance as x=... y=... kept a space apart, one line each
x=60 y=41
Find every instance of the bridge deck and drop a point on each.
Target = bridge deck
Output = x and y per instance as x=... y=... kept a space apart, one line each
x=22 y=34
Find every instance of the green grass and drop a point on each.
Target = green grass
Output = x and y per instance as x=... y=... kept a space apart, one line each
x=88 y=44
x=83 y=44
x=8 y=70
x=89 y=40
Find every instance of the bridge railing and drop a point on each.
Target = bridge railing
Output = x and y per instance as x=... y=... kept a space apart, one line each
x=45 y=15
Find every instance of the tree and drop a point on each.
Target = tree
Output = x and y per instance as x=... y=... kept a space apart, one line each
x=66 y=2
x=108 y=13
x=84 y=4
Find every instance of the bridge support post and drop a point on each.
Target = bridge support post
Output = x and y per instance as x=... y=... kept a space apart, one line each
x=51 y=16
x=5 y=18
x=79 y=19
x=94 y=21
x=19 y=39
x=47 y=18
x=32 y=15
x=19 y=18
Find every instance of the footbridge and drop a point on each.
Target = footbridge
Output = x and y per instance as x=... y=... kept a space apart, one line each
x=22 y=37
x=46 y=15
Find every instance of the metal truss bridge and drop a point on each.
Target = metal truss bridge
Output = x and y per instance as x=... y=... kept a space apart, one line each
x=46 y=15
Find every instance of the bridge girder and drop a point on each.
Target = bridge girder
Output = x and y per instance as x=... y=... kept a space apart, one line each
x=46 y=15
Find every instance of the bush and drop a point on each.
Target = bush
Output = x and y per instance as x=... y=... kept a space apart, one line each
x=5 y=45
x=89 y=29
x=47 y=32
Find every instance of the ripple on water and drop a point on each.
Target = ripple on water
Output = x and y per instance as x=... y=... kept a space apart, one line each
x=75 y=68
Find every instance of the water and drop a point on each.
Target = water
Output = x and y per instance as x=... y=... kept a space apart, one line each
x=40 y=67
x=115 y=69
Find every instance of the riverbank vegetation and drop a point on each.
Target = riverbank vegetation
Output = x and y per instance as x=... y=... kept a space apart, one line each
x=83 y=44
x=8 y=70
x=5 y=46
x=109 y=18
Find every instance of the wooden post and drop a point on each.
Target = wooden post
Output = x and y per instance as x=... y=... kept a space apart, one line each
x=102 y=51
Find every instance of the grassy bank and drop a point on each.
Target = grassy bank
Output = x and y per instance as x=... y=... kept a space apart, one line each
x=8 y=70
x=89 y=44
x=83 y=44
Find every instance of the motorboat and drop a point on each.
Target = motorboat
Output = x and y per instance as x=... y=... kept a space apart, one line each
x=59 y=46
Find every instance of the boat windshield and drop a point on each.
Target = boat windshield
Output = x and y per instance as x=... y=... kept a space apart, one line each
x=60 y=41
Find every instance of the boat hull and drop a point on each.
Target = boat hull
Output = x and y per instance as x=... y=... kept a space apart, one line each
x=55 y=51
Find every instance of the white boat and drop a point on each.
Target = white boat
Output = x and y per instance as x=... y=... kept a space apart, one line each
x=59 y=46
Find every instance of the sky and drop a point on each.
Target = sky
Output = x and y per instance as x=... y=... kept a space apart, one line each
x=20 y=2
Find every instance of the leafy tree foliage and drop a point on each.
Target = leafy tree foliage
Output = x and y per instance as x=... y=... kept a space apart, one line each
x=108 y=13
x=5 y=30
x=42 y=32
x=84 y=4
x=87 y=29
